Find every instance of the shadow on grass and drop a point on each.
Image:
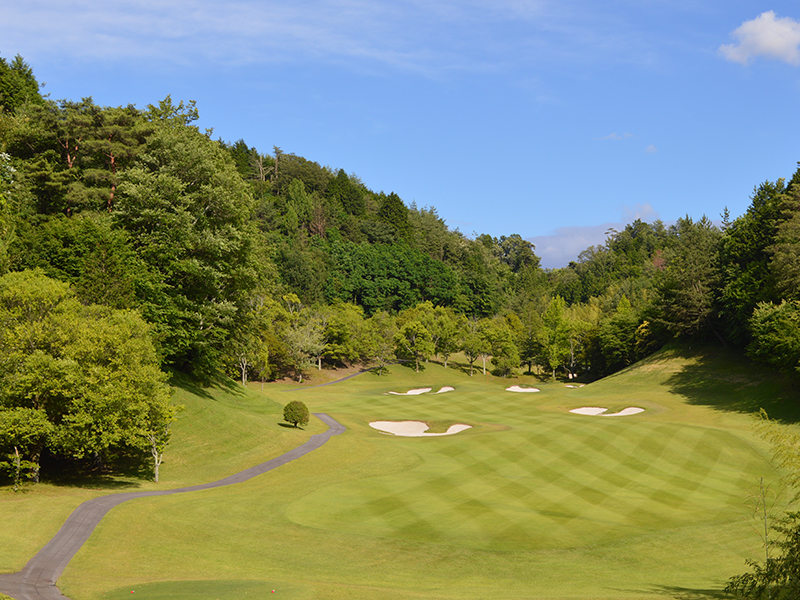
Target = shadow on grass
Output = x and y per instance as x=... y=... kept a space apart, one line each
x=96 y=482
x=376 y=371
x=682 y=593
x=116 y=471
x=187 y=384
x=723 y=379
x=290 y=426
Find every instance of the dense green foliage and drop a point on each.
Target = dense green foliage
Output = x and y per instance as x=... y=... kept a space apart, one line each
x=79 y=381
x=296 y=413
x=18 y=86
x=268 y=265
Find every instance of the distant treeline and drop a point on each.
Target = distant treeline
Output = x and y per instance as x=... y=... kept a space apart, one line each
x=265 y=265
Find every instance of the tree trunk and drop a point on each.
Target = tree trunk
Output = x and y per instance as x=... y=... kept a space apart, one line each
x=243 y=364
x=16 y=469
x=158 y=457
x=35 y=457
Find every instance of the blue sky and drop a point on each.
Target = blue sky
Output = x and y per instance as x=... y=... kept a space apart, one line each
x=551 y=119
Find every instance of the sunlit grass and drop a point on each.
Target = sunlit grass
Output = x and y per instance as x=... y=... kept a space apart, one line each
x=532 y=502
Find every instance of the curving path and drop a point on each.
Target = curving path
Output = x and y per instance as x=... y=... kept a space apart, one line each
x=37 y=580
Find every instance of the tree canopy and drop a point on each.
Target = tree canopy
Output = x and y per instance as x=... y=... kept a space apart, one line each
x=82 y=381
x=296 y=413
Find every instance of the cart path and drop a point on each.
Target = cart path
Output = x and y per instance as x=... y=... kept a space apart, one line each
x=37 y=579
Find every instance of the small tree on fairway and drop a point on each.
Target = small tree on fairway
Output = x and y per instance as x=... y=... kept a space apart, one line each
x=296 y=413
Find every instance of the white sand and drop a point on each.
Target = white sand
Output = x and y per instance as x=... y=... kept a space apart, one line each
x=569 y=385
x=413 y=428
x=516 y=388
x=631 y=410
x=446 y=388
x=588 y=410
x=415 y=392
x=596 y=411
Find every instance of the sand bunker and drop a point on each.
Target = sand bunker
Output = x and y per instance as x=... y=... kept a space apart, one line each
x=415 y=392
x=569 y=385
x=516 y=388
x=446 y=388
x=413 y=428
x=596 y=411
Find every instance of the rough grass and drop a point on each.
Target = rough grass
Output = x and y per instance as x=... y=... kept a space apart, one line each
x=533 y=502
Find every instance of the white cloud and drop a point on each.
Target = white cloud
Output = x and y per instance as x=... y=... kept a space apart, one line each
x=564 y=244
x=651 y=149
x=557 y=249
x=616 y=137
x=643 y=212
x=767 y=36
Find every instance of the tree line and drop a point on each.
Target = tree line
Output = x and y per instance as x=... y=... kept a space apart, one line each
x=262 y=265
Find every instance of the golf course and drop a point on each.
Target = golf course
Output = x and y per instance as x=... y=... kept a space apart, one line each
x=530 y=501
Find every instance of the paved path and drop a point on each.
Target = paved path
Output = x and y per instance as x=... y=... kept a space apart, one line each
x=37 y=580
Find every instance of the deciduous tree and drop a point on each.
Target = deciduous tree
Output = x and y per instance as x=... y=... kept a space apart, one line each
x=413 y=341
x=91 y=370
x=380 y=340
x=188 y=211
x=776 y=334
x=554 y=335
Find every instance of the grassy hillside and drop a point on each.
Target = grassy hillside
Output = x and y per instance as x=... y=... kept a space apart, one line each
x=220 y=431
x=531 y=502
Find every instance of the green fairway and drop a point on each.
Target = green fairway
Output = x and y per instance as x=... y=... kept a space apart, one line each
x=531 y=502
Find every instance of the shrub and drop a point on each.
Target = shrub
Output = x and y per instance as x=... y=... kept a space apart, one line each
x=296 y=413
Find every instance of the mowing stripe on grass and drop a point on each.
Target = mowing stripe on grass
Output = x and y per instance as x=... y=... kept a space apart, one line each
x=556 y=481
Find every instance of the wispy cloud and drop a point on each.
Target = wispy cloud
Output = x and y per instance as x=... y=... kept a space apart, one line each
x=425 y=36
x=767 y=36
x=643 y=212
x=651 y=149
x=616 y=137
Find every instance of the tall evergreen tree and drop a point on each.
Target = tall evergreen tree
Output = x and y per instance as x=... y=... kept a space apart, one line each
x=689 y=282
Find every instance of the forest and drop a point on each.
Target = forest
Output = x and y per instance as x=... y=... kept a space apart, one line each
x=135 y=247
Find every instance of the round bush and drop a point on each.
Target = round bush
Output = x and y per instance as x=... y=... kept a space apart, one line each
x=295 y=413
